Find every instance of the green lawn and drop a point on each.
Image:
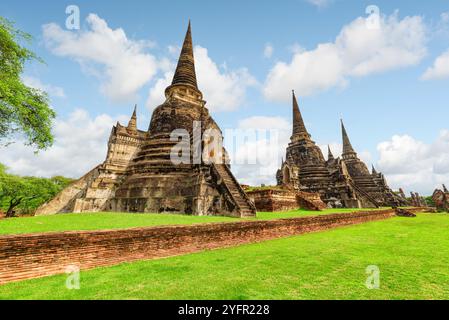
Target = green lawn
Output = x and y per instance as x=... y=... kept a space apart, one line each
x=106 y=220
x=412 y=254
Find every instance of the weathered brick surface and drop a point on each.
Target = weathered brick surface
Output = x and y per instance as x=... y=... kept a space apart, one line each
x=36 y=255
x=270 y=200
x=276 y=199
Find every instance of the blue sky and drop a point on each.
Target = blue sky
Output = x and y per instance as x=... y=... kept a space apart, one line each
x=392 y=114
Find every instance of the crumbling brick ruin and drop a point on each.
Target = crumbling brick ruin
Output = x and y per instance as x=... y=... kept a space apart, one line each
x=341 y=182
x=417 y=200
x=139 y=175
x=276 y=199
x=441 y=199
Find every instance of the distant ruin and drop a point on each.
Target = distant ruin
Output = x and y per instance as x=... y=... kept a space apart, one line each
x=441 y=199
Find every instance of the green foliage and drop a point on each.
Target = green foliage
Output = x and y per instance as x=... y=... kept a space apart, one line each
x=430 y=201
x=26 y=194
x=23 y=110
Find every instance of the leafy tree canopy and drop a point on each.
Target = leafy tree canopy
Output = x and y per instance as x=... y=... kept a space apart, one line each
x=25 y=194
x=23 y=110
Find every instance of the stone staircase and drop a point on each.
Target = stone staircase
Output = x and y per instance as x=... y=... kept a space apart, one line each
x=246 y=207
x=365 y=194
x=310 y=201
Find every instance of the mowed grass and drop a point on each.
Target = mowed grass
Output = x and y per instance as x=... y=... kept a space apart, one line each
x=411 y=253
x=109 y=220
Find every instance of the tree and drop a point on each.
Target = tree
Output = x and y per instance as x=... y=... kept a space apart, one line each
x=27 y=193
x=430 y=201
x=15 y=190
x=23 y=109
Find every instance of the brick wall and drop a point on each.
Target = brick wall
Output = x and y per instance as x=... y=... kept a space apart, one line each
x=36 y=255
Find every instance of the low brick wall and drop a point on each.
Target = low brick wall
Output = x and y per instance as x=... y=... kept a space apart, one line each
x=37 y=255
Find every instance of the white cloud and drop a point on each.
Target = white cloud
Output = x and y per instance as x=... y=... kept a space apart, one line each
x=440 y=68
x=320 y=3
x=120 y=63
x=255 y=161
x=268 y=51
x=37 y=84
x=80 y=145
x=356 y=52
x=413 y=164
x=223 y=89
x=156 y=95
x=445 y=17
x=296 y=48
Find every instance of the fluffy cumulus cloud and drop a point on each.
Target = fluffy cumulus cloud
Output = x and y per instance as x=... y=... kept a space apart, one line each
x=440 y=68
x=121 y=63
x=415 y=165
x=359 y=50
x=224 y=89
x=256 y=148
x=36 y=83
x=80 y=145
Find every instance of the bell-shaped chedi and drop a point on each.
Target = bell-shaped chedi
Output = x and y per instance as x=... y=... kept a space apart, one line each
x=373 y=184
x=305 y=166
x=163 y=169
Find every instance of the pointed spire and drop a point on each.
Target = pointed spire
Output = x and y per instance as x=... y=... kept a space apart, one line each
x=330 y=155
x=132 y=124
x=185 y=70
x=299 y=129
x=347 y=147
x=373 y=170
